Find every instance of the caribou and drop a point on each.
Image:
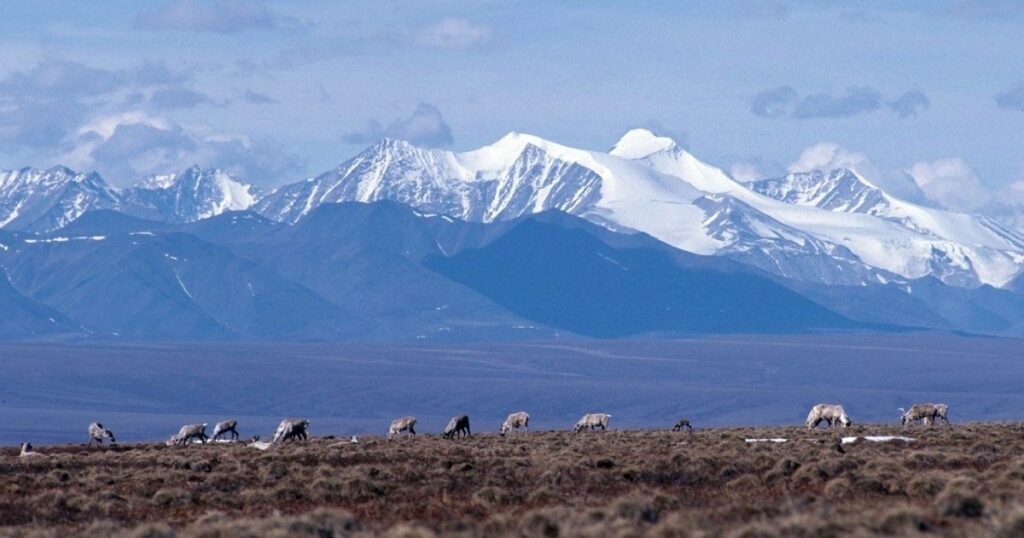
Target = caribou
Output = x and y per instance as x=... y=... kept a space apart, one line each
x=681 y=425
x=404 y=424
x=291 y=429
x=926 y=412
x=97 y=433
x=458 y=425
x=830 y=413
x=226 y=427
x=516 y=421
x=187 y=433
x=592 y=421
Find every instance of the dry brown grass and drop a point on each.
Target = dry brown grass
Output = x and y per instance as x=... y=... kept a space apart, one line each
x=961 y=481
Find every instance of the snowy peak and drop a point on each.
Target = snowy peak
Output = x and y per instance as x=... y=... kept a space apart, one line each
x=38 y=201
x=833 y=227
x=835 y=190
x=192 y=194
x=43 y=201
x=516 y=175
x=639 y=143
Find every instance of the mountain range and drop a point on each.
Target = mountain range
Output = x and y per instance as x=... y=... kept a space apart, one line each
x=522 y=238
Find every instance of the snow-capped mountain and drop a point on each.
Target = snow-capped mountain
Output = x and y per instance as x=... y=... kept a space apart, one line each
x=834 y=190
x=44 y=200
x=191 y=195
x=833 y=227
x=507 y=180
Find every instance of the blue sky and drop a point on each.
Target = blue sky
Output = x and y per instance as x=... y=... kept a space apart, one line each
x=926 y=98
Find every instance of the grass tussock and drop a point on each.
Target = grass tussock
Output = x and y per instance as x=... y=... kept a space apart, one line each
x=964 y=481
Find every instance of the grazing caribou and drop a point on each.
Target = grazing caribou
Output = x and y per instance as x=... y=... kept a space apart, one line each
x=187 y=433
x=592 y=421
x=516 y=421
x=97 y=433
x=830 y=413
x=226 y=427
x=926 y=412
x=404 y=424
x=291 y=429
x=682 y=424
x=458 y=425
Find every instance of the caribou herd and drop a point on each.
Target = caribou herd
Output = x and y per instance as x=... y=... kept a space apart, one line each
x=297 y=429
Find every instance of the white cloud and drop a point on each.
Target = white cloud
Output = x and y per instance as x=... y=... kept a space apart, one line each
x=951 y=183
x=425 y=127
x=745 y=172
x=453 y=33
x=829 y=156
x=126 y=147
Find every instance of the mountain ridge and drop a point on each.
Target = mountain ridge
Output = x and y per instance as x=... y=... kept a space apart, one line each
x=826 y=227
x=648 y=183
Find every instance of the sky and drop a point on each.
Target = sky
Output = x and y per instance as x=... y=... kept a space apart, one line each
x=926 y=99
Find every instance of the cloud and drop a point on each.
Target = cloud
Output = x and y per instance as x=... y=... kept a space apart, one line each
x=745 y=172
x=174 y=98
x=1012 y=99
x=755 y=169
x=786 y=102
x=951 y=183
x=679 y=136
x=130 y=146
x=909 y=103
x=218 y=16
x=39 y=123
x=425 y=127
x=453 y=33
x=41 y=105
x=822 y=105
x=775 y=103
x=827 y=156
x=257 y=98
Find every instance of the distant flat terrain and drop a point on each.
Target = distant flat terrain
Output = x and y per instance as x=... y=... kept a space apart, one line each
x=50 y=392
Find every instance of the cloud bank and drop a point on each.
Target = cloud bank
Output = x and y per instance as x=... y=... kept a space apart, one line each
x=787 y=102
x=425 y=127
x=127 y=147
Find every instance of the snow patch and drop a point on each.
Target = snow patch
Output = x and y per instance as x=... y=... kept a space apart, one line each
x=183 y=288
x=878 y=439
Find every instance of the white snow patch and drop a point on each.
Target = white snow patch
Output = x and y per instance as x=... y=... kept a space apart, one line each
x=879 y=438
x=66 y=239
x=183 y=288
x=766 y=440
